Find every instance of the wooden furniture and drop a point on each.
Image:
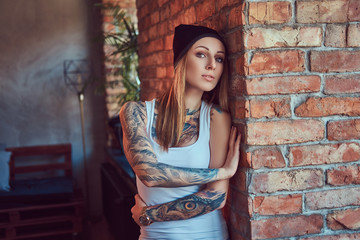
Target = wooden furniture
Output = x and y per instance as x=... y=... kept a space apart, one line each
x=118 y=190
x=42 y=203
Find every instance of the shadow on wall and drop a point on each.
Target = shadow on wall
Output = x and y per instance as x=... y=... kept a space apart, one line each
x=36 y=107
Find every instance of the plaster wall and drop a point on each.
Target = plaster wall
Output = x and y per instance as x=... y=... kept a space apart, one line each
x=36 y=107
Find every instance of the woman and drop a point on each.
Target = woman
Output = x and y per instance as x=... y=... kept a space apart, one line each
x=179 y=145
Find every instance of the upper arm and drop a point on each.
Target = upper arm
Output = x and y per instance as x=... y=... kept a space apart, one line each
x=219 y=142
x=133 y=121
x=219 y=137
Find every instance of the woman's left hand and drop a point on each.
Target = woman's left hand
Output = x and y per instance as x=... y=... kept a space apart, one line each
x=136 y=209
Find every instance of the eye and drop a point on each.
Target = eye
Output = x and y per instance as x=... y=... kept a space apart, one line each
x=219 y=59
x=200 y=55
x=189 y=205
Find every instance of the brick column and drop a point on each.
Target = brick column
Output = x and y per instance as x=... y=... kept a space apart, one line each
x=301 y=106
x=295 y=90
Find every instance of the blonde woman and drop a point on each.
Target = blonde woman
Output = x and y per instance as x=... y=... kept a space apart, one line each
x=181 y=146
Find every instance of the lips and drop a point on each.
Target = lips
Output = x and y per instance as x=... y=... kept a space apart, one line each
x=208 y=77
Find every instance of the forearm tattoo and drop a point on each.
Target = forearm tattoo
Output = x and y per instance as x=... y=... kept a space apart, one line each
x=188 y=207
x=143 y=160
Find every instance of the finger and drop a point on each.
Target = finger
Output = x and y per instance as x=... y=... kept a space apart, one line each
x=232 y=137
x=238 y=140
x=137 y=198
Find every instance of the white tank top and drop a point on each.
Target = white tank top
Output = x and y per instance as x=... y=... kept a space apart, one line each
x=196 y=155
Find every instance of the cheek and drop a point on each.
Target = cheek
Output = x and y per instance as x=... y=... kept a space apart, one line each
x=192 y=67
x=219 y=70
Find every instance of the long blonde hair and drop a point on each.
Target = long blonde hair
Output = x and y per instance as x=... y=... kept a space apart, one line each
x=171 y=106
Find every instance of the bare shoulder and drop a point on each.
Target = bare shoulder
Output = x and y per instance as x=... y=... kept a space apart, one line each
x=220 y=118
x=133 y=110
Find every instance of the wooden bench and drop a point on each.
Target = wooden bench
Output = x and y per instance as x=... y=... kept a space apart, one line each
x=42 y=200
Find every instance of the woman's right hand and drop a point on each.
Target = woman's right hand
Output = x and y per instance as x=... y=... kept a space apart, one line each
x=137 y=208
x=232 y=158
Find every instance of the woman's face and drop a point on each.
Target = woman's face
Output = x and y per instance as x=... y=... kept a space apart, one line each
x=204 y=64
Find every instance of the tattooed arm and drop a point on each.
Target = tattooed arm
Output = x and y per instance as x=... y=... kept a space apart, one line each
x=143 y=161
x=213 y=196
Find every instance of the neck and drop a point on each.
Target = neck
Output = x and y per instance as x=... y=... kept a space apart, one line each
x=192 y=100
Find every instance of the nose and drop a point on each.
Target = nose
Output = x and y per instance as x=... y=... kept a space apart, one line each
x=211 y=64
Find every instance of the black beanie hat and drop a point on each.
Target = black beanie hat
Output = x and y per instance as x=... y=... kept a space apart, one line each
x=186 y=35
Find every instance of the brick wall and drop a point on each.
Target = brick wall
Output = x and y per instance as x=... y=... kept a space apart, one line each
x=295 y=88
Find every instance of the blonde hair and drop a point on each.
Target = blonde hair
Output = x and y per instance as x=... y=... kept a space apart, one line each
x=171 y=108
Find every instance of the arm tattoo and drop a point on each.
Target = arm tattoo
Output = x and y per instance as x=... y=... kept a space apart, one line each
x=143 y=160
x=187 y=207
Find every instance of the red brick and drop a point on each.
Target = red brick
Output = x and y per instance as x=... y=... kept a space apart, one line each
x=162 y=29
x=176 y=7
x=236 y=16
x=155 y=45
x=234 y=41
x=335 y=35
x=286 y=226
x=238 y=181
x=189 y=16
x=237 y=86
x=279 y=204
x=324 y=154
x=143 y=38
x=283 y=85
x=189 y=2
x=353 y=36
x=335 y=61
x=277 y=62
x=160 y=72
x=295 y=180
x=332 y=198
x=344 y=130
x=165 y=12
x=269 y=12
x=170 y=74
x=349 y=236
x=241 y=109
x=153 y=5
x=240 y=202
x=148 y=72
x=205 y=9
x=153 y=32
x=285 y=37
x=240 y=67
x=154 y=17
x=168 y=40
x=354 y=10
x=342 y=84
x=344 y=219
x=143 y=11
x=284 y=131
x=160 y=58
x=240 y=223
x=219 y=22
x=344 y=175
x=269 y=157
x=321 y=11
x=320 y=107
x=269 y=108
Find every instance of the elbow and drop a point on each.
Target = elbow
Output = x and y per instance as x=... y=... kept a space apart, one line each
x=222 y=205
x=148 y=183
x=223 y=202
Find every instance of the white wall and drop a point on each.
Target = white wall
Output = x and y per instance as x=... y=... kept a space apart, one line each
x=36 y=107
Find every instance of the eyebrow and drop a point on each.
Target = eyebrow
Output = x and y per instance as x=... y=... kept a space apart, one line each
x=209 y=49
